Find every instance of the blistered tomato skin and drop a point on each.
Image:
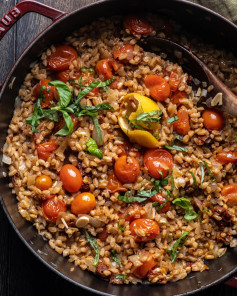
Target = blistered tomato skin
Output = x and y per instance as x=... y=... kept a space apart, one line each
x=161 y=199
x=124 y=53
x=46 y=149
x=83 y=203
x=127 y=169
x=114 y=185
x=51 y=209
x=213 y=119
x=71 y=178
x=142 y=271
x=149 y=229
x=158 y=161
x=181 y=126
x=43 y=182
x=159 y=88
x=62 y=58
x=47 y=92
x=229 y=191
x=225 y=157
x=137 y=24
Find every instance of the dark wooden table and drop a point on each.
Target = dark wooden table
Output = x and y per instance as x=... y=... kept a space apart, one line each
x=21 y=274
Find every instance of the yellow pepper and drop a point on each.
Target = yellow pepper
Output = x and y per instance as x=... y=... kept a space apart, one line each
x=133 y=105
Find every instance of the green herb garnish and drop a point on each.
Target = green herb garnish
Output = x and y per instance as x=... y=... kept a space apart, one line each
x=194 y=181
x=93 y=149
x=146 y=118
x=146 y=193
x=121 y=276
x=173 y=252
x=178 y=137
x=131 y=199
x=185 y=204
x=209 y=171
x=94 y=245
x=172 y=119
x=120 y=227
x=202 y=172
x=83 y=69
x=115 y=257
x=175 y=147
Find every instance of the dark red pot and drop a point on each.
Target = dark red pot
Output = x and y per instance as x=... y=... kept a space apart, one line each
x=211 y=25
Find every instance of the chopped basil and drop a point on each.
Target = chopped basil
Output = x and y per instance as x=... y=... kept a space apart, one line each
x=94 y=245
x=121 y=276
x=209 y=171
x=93 y=149
x=155 y=204
x=115 y=257
x=160 y=183
x=194 y=181
x=172 y=180
x=172 y=119
x=131 y=199
x=68 y=128
x=146 y=193
x=120 y=227
x=185 y=204
x=146 y=118
x=202 y=172
x=178 y=137
x=173 y=251
x=175 y=147
x=64 y=92
x=83 y=69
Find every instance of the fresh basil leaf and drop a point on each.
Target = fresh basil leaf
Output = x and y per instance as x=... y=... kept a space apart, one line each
x=127 y=199
x=97 y=128
x=185 y=204
x=209 y=171
x=94 y=245
x=194 y=181
x=121 y=276
x=115 y=258
x=178 y=137
x=172 y=119
x=93 y=149
x=64 y=92
x=120 y=227
x=83 y=69
x=146 y=118
x=98 y=107
x=175 y=147
x=173 y=252
x=68 y=128
x=146 y=193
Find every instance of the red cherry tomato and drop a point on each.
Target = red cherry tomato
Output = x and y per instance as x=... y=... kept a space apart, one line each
x=124 y=53
x=126 y=169
x=43 y=182
x=71 y=178
x=142 y=271
x=45 y=150
x=62 y=58
x=225 y=157
x=83 y=203
x=144 y=230
x=177 y=96
x=114 y=185
x=51 y=209
x=86 y=80
x=174 y=81
x=137 y=24
x=132 y=212
x=213 y=119
x=230 y=193
x=158 y=160
x=65 y=75
x=159 y=88
x=161 y=199
x=104 y=69
x=181 y=126
x=47 y=92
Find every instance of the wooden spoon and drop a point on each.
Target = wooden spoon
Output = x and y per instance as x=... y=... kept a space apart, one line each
x=196 y=67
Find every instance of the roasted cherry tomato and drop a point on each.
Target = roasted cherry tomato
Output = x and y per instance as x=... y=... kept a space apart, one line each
x=174 y=81
x=114 y=185
x=142 y=271
x=133 y=212
x=177 y=96
x=181 y=126
x=65 y=75
x=86 y=80
x=125 y=148
x=159 y=88
x=51 y=208
x=161 y=199
x=83 y=203
x=43 y=182
x=230 y=193
x=47 y=92
x=45 y=150
x=126 y=169
x=213 y=119
x=62 y=58
x=61 y=123
x=144 y=230
x=71 y=178
x=104 y=68
x=225 y=157
x=158 y=161
x=137 y=24
x=124 y=53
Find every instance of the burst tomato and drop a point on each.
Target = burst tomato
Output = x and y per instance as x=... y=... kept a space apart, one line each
x=133 y=212
x=174 y=81
x=230 y=193
x=142 y=271
x=137 y=24
x=213 y=119
x=114 y=185
x=45 y=150
x=225 y=157
x=124 y=53
x=159 y=88
x=83 y=203
x=51 y=209
x=161 y=199
x=62 y=58
x=144 y=230
x=181 y=126
x=46 y=91
x=158 y=160
x=65 y=75
x=177 y=96
x=126 y=169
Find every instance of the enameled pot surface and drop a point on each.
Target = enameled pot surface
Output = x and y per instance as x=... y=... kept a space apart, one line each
x=214 y=27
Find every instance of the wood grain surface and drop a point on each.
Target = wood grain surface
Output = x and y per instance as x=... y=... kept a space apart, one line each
x=21 y=274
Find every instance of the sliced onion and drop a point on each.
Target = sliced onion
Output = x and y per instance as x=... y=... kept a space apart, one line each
x=96 y=137
x=17 y=103
x=6 y=159
x=22 y=166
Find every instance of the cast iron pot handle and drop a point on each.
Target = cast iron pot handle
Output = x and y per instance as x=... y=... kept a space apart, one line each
x=11 y=17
